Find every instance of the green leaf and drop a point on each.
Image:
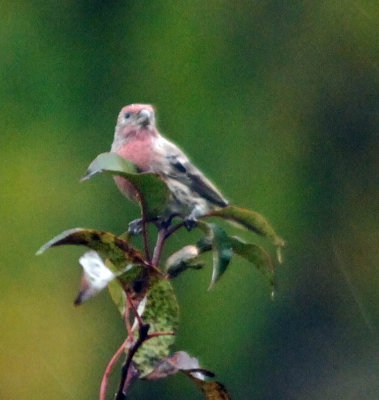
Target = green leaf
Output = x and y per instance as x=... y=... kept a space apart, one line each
x=223 y=246
x=253 y=221
x=153 y=192
x=161 y=312
x=110 y=163
x=117 y=250
x=117 y=293
x=256 y=255
x=222 y=253
x=222 y=249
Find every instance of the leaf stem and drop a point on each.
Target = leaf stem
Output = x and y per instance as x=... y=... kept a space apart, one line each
x=157 y=334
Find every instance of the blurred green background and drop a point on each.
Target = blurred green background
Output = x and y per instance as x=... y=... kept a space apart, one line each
x=277 y=102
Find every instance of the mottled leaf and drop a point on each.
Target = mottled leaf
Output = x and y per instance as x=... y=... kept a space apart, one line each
x=153 y=192
x=161 y=312
x=211 y=390
x=120 y=258
x=251 y=220
x=117 y=250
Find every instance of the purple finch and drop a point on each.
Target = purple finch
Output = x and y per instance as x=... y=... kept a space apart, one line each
x=138 y=140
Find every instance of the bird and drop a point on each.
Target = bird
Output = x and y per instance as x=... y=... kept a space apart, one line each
x=137 y=139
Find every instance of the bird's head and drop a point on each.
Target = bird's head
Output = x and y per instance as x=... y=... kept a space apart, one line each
x=137 y=116
x=135 y=122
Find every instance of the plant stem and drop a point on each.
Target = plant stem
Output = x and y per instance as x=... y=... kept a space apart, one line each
x=126 y=318
x=173 y=229
x=132 y=307
x=128 y=374
x=159 y=246
x=143 y=335
x=109 y=369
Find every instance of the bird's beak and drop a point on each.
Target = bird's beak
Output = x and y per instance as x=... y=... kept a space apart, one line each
x=144 y=117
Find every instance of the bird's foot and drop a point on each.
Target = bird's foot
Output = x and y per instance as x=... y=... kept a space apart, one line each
x=162 y=223
x=190 y=222
x=135 y=227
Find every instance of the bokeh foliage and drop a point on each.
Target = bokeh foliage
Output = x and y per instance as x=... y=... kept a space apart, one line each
x=277 y=102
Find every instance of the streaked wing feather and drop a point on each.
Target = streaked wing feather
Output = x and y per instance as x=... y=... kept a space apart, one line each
x=184 y=171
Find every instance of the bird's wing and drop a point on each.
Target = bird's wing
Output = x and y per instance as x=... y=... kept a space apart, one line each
x=181 y=169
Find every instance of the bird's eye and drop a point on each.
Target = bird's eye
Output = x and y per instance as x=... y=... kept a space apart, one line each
x=127 y=115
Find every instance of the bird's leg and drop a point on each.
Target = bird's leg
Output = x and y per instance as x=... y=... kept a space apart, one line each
x=162 y=225
x=135 y=226
x=165 y=223
x=190 y=221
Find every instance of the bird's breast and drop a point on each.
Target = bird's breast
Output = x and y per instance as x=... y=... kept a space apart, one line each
x=140 y=152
